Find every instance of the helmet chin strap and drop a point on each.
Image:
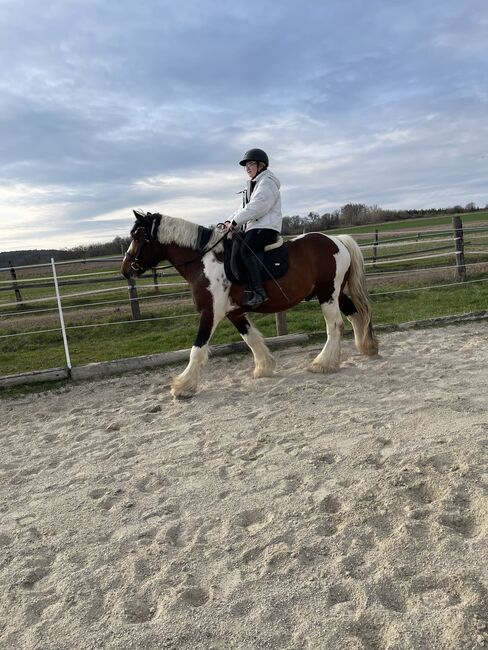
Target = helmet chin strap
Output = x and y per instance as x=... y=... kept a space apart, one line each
x=258 y=172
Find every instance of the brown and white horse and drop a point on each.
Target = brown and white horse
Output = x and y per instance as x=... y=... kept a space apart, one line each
x=321 y=266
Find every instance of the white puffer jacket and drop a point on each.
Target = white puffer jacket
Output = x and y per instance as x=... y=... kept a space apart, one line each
x=264 y=208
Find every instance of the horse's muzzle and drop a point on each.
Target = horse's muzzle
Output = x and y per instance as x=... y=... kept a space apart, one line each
x=127 y=268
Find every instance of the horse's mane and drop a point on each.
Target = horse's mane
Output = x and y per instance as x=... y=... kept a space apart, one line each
x=173 y=230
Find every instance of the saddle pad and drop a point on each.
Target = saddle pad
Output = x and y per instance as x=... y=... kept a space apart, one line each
x=275 y=262
x=277 y=244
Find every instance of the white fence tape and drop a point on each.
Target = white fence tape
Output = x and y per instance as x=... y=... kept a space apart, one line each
x=409 y=259
x=93 y=292
x=372 y=294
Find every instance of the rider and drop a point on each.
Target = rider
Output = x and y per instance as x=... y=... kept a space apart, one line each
x=261 y=214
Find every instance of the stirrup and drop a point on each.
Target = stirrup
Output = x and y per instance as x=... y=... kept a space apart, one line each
x=256 y=300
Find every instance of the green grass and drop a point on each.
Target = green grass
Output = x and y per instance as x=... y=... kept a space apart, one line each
x=412 y=224
x=40 y=351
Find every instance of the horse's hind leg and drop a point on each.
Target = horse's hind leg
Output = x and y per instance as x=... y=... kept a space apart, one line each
x=349 y=310
x=264 y=363
x=364 y=337
x=329 y=358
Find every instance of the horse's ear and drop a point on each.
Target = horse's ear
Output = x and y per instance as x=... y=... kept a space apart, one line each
x=139 y=234
x=140 y=216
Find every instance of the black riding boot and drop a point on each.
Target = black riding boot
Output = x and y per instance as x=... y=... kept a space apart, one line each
x=258 y=294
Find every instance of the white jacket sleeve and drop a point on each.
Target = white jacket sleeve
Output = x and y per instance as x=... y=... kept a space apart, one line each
x=262 y=200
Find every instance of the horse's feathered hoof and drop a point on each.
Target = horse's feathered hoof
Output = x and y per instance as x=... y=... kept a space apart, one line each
x=179 y=391
x=315 y=367
x=263 y=371
x=181 y=395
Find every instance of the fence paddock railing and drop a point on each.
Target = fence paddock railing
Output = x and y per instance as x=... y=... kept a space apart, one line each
x=375 y=247
x=281 y=323
x=459 y=244
x=134 y=302
x=155 y=280
x=455 y=236
x=15 y=286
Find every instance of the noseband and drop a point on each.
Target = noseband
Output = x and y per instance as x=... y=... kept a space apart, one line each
x=150 y=224
x=134 y=259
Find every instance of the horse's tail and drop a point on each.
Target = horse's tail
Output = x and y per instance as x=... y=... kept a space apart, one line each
x=365 y=338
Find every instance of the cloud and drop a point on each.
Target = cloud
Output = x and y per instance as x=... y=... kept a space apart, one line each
x=108 y=107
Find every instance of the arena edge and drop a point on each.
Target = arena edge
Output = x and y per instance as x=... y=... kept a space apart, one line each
x=143 y=363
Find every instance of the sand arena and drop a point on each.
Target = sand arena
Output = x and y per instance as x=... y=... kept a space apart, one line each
x=343 y=511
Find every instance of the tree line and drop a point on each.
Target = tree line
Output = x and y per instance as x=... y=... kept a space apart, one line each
x=358 y=214
x=43 y=256
x=351 y=214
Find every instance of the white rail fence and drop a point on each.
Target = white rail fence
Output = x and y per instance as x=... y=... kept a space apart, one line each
x=163 y=291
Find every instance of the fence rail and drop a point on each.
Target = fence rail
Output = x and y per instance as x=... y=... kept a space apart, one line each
x=143 y=290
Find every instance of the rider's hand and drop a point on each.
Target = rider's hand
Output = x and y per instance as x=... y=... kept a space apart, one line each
x=229 y=225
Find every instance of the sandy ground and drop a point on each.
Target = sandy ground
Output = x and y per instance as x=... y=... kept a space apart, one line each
x=331 y=512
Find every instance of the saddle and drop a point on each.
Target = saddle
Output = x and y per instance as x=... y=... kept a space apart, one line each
x=274 y=260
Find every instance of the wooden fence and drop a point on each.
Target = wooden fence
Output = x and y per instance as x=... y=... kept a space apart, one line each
x=455 y=237
x=32 y=313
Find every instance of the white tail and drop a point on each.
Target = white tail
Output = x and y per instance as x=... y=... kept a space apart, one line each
x=365 y=338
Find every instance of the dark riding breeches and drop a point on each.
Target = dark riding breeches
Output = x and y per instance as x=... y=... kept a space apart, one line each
x=252 y=252
x=255 y=241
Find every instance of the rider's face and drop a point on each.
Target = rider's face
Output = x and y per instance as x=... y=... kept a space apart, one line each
x=251 y=168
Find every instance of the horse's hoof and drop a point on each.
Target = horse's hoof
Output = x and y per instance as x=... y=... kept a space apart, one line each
x=182 y=393
x=258 y=373
x=325 y=370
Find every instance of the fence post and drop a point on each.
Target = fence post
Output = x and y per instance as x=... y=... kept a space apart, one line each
x=61 y=317
x=375 y=247
x=459 y=244
x=134 y=302
x=18 y=295
x=281 y=324
x=155 y=280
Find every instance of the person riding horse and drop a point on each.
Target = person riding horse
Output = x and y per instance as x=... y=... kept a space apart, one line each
x=261 y=214
x=320 y=265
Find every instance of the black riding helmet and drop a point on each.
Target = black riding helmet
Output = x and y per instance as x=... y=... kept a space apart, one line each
x=255 y=155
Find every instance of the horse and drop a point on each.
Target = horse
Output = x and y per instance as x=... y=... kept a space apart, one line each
x=319 y=266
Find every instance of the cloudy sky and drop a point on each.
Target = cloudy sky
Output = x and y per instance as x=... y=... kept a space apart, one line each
x=109 y=106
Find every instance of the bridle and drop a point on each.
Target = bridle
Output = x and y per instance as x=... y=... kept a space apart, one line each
x=136 y=266
x=134 y=259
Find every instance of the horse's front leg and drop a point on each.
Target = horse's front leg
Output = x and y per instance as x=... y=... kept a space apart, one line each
x=186 y=384
x=264 y=363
